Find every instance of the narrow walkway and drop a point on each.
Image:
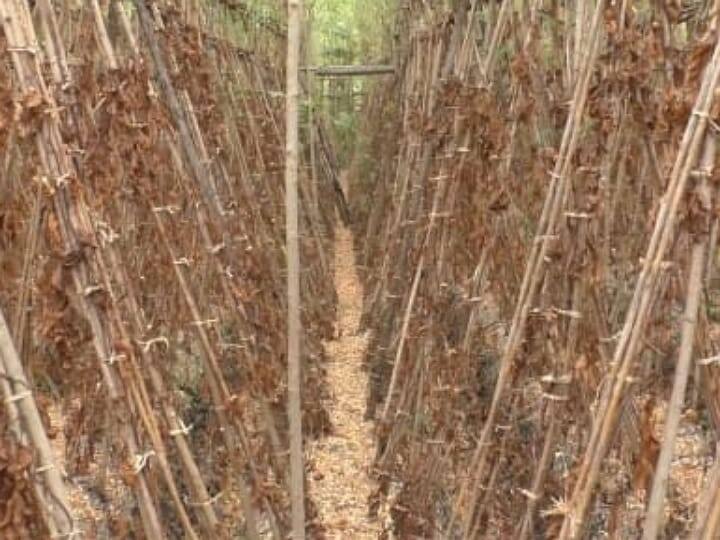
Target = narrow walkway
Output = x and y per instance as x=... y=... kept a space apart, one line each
x=339 y=477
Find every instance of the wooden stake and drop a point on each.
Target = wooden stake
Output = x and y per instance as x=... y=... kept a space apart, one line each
x=297 y=491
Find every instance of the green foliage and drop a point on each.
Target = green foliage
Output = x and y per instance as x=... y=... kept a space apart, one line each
x=340 y=32
x=252 y=24
x=347 y=32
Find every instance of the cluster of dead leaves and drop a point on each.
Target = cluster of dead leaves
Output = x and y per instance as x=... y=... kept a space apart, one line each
x=22 y=113
x=634 y=74
x=7 y=110
x=19 y=509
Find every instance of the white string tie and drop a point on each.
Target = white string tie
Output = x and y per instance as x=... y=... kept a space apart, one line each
x=107 y=235
x=44 y=468
x=554 y=397
x=74 y=533
x=211 y=500
x=543 y=237
x=92 y=289
x=554 y=379
x=705 y=172
x=612 y=338
x=709 y=361
x=182 y=430
x=18 y=397
x=529 y=494
x=206 y=322
x=149 y=343
x=170 y=209
x=567 y=313
x=141 y=460
x=115 y=358
x=29 y=50
x=62 y=180
x=577 y=215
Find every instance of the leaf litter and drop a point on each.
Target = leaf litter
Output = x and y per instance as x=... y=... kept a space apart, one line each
x=339 y=463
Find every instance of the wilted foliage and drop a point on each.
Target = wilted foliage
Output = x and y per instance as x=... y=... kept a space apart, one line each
x=142 y=256
x=19 y=507
x=533 y=194
x=495 y=315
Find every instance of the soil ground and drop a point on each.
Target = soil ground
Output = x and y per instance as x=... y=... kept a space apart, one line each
x=339 y=476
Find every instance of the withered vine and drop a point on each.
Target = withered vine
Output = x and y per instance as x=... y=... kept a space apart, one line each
x=142 y=239
x=531 y=206
x=533 y=195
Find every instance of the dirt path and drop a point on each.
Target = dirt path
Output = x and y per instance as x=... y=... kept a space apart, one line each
x=339 y=478
x=90 y=519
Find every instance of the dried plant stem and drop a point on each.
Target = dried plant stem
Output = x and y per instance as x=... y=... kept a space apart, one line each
x=178 y=435
x=200 y=171
x=533 y=273
x=654 y=514
x=55 y=161
x=645 y=291
x=18 y=397
x=20 y=320
x=706 y=519
x=218 y=388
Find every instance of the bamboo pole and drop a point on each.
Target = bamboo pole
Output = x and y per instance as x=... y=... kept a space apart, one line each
x=350 y=70
x=17 y=395
x=654 y=514
x=297 y=477
x=645 y=290
x=57 y=165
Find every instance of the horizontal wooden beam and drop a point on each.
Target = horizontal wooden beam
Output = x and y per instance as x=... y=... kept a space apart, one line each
x=350 y=71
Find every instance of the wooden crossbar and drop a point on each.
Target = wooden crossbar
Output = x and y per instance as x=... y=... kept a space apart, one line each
x=350 y=70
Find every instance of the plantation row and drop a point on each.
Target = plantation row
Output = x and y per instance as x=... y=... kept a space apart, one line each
x=532 y=190
x=537 y=224
x=142 y=254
